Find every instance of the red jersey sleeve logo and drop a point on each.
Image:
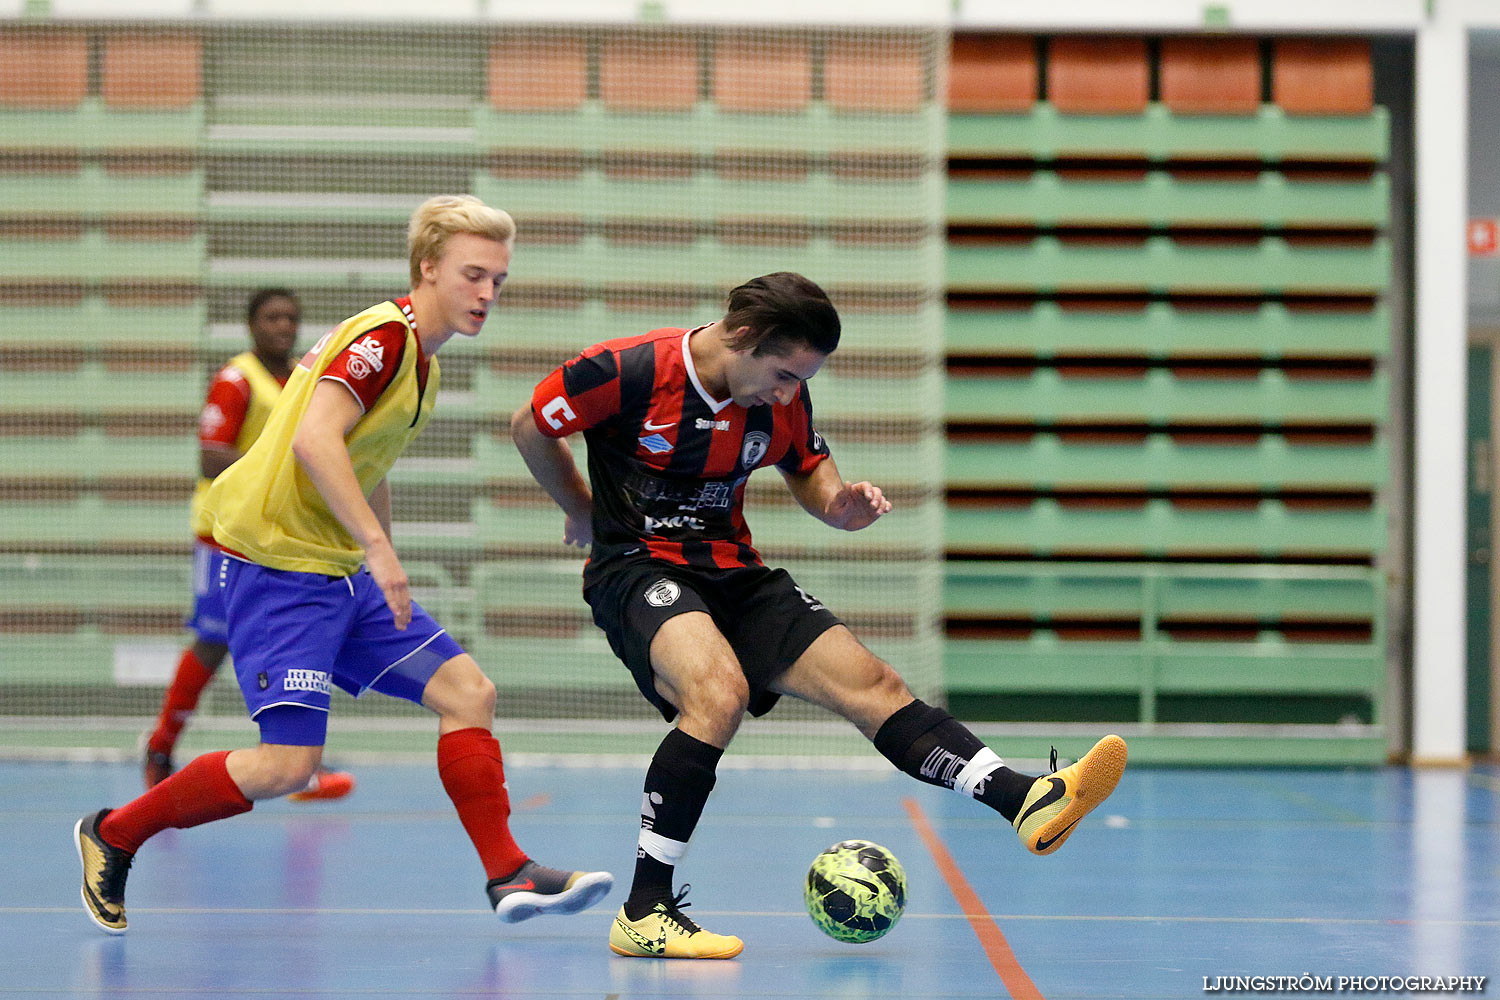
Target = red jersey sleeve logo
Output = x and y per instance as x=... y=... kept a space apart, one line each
x=366 y=357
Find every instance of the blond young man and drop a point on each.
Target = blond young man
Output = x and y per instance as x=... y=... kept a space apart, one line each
x=316 y=595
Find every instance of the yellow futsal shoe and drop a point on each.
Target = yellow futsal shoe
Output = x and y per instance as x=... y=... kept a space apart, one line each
x=1058 y=801
x=666 y=933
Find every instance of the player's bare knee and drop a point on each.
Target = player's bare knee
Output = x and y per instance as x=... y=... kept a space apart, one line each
x=470 y=700
x=720 y=702
x=888 y=686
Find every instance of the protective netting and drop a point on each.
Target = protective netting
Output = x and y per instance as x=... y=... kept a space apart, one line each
x=152 y=177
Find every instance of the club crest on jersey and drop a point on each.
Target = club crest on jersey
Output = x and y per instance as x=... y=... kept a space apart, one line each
x=754 y=449
x=366 y=356
x=655 y=444
x=663 y=594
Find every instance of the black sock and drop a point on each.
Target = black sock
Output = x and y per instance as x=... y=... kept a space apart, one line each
x=932 y=746
x=677 y=785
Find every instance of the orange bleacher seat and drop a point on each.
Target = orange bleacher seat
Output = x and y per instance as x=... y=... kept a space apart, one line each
x=43 y=68
x=649 y=74
x=1210 y=76
x=992 y=73
x=530 y=73
x=874 y=75
x=1323 y=76
x=151 y=70
x=1098 y=76
x=762 y=75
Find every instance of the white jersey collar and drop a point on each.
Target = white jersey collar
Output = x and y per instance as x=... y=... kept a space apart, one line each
x=692 y=371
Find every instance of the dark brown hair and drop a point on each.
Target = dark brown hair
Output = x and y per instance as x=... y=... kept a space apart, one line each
x=783 y=311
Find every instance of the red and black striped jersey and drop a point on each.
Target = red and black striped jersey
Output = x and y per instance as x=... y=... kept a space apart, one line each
x=667 y=461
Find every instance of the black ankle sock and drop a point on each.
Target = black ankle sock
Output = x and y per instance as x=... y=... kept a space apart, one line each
x=932 y=746
x=677 y=785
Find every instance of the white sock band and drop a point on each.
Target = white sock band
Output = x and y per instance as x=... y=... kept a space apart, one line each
x=663 y=849
x=984 y=764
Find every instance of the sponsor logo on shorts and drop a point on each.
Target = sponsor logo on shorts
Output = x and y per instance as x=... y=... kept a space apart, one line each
x=812 y=602
x=754 y=449
x=663 y=593
x=301 y=679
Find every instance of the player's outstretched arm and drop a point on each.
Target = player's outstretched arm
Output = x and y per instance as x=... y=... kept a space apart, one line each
x=824 y=494
x=319 y=446
x=551 y=463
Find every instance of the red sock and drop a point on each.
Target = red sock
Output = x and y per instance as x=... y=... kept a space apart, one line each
x=473 y=777
x=200 y=793
x=182 y=697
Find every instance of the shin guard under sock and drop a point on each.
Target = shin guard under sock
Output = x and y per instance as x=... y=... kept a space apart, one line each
x=932 y=746
x=678 y=782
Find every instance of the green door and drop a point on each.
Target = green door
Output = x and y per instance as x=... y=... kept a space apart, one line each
x=1480 y=505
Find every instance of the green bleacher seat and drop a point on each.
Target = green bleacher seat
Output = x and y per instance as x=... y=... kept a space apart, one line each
x=714 y=263
x=1042 y=664
x=1273 y=594
x=1156 y=527
x=91 y=127
x=975 y=590
x=1045 y=394
x=1270 y=666
x=96 y=257
x=1047 y=199
x=94 y=192
x=91 y=454
x=93 y=320
x=1046 y=461
x=702 y=130
x=1156 y=663
x=91 y=520
x=1159 y=263
x=1158 y=134
x=1271 y=330
x=706 y=198
x=93 y=388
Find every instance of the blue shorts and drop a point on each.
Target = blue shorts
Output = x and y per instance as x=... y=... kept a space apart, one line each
x=293 y=635
x=208 y=619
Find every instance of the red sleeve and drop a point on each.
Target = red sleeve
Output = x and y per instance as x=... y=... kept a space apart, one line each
x=808 y=447
x=583 y=393
x=224 y=408
x=367 y=365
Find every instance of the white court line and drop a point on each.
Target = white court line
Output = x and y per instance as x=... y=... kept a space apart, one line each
x=779 y=914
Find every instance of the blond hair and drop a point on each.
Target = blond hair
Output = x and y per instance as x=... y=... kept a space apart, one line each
x=441 y=217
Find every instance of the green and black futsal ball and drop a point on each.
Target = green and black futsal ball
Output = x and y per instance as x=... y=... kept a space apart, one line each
x=856 y=891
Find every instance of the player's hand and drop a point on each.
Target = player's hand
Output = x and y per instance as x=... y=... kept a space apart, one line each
x=857 y=505
x=578 y=531
x=391 y=579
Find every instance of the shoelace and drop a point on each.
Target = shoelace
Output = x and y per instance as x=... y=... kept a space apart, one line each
x=1053 y=760
x=673 y=910
x=112 y=879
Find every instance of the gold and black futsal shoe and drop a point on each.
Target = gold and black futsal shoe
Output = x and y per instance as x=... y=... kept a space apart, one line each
x=104 y=872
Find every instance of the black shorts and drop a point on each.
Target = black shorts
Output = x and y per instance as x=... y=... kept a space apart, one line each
x=768 y=620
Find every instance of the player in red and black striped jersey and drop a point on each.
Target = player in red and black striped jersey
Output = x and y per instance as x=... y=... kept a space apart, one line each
x=668 y=460
x=676 y=421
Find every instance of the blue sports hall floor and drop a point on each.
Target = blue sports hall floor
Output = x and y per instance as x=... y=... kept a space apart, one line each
x=1187 y=883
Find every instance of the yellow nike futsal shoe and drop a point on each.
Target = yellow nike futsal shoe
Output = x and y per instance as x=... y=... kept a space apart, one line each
x=666 y=933
x=1058 y=801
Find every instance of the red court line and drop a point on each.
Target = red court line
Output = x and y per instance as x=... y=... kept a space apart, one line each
x=996 y=948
